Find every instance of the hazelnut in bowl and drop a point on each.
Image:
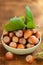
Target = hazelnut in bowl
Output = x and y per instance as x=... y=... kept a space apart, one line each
x=21 y=42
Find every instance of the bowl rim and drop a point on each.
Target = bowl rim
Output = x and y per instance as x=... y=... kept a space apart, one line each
x=19 y=49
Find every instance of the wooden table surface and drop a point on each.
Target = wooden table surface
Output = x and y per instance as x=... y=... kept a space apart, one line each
x=11 y=8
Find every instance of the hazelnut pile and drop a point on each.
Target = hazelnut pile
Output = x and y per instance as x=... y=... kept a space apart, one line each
x=29 y=58
x=21 y=39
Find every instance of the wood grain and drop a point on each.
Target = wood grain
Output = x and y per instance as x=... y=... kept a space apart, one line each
x=11 y=8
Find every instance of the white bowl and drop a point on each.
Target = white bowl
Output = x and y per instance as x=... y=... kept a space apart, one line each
x=20 y=51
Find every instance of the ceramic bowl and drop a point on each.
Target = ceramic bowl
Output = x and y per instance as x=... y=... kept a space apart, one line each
x=20 y=51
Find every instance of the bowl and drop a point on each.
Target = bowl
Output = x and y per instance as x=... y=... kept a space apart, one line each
x=20 y=51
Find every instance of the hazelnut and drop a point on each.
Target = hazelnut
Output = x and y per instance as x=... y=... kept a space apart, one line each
x=33 y=40
x=6 y=39
x=19 y=33
x=13 y=44
x=22 y=41
x=15 y=39
x=28 y=33
x=20 y=46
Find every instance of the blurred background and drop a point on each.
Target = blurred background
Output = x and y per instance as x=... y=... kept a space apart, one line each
x=11 y=8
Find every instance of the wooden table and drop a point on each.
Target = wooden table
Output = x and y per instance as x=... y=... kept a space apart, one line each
x=11 y=8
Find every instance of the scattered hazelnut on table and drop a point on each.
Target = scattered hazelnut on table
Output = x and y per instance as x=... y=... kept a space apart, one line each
x=9 y=56
x=29 y=59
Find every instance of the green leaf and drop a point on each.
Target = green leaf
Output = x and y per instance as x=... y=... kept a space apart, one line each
x=30 y=25
x=16 y=18
x=22 y=17
x=14 y=24
x=29 y=21
x=39 y=55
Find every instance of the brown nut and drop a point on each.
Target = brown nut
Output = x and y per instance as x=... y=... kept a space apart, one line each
x=33 y=40
x=34 y=31
x=28 y=33
x=19 y=33
x=9 y=56
x=20 y=46
x=29 y=59
x=37 y=34
x=13 y=44
x=11 y=34
x=15 y=39
x=5 y=33
x=6 y=39
x=24 y=30
x=22 y=41
x=29 y=45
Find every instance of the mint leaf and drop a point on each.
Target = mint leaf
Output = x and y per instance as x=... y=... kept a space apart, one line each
x=16 y=18
x=22 y=17
x=14 y=24
x=30 y=25
x=29 y=21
